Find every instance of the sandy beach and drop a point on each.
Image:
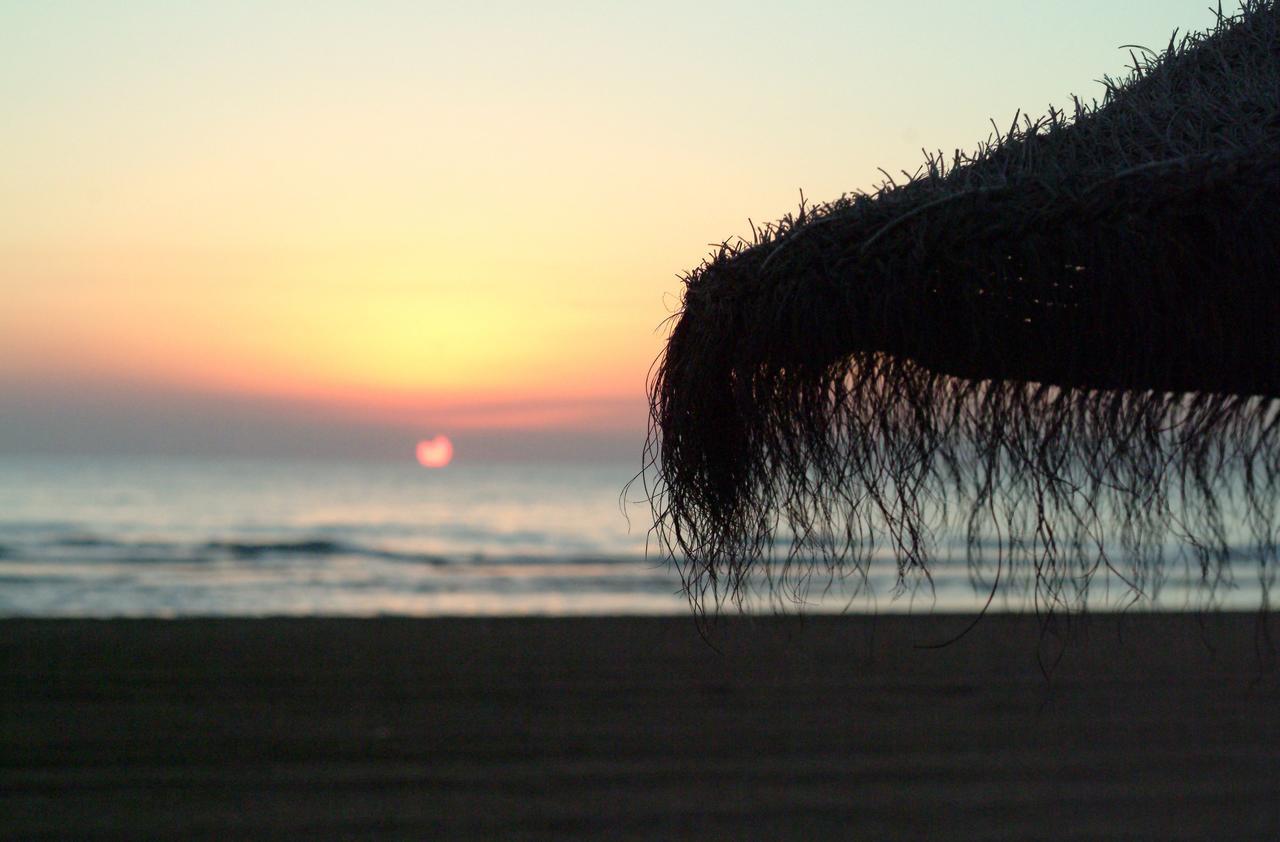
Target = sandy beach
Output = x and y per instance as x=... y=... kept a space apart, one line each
x=1159 y=727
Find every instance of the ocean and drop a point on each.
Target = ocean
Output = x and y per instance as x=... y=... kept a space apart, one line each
x=112 y=537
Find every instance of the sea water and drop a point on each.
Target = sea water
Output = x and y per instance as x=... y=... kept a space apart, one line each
x=106 y=537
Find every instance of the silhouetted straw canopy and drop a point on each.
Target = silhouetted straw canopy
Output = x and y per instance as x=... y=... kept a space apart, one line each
x=1065 y=345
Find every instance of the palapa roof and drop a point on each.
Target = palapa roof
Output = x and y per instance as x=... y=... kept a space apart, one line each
x=1066 y=344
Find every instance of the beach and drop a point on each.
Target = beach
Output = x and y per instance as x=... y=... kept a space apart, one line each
x=1145 y=726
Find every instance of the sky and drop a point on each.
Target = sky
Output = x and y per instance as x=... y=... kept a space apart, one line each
x=331 y=229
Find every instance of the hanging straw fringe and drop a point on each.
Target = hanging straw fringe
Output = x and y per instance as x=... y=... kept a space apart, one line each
x=1066 y=345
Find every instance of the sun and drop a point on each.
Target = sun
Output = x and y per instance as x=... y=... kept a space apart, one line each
x=436 y=452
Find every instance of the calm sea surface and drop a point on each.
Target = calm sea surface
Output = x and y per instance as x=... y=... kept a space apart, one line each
x=121 y=537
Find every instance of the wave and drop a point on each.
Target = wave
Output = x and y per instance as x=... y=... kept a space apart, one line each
x=305 y=546
x=84 y=541
x=236 y=548
x=75 y=546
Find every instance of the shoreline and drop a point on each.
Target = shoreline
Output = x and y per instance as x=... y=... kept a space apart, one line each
x=1147 y=726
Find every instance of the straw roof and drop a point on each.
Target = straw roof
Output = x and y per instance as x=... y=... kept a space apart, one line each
x=1065 y=345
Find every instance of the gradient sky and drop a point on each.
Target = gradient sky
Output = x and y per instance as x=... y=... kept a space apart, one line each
x=329 y=228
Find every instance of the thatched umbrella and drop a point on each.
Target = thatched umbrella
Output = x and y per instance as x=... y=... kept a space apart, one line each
x=1067 y=345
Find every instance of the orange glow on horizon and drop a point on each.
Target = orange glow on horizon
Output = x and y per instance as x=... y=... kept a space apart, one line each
x=398 y=336
x=435 y=453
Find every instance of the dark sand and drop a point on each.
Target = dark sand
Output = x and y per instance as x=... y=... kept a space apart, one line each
x=1151 y=727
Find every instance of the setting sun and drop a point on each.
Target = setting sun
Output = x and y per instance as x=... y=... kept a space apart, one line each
x=435 y=453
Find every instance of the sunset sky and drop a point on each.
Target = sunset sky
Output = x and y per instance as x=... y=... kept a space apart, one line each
x=313 y=228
